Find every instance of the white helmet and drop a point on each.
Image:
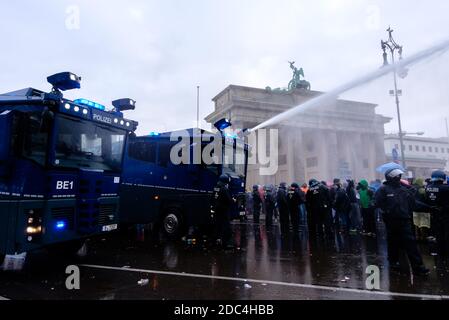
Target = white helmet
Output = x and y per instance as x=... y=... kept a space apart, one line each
x=391 y=174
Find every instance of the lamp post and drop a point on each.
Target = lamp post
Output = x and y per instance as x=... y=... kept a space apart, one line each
x=391 y=45
x=447 y=134
x=198 y=107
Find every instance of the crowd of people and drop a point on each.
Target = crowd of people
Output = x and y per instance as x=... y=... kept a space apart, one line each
x=411 y=211
x=343 y=206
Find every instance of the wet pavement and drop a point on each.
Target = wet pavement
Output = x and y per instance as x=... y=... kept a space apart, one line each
x=265 y=266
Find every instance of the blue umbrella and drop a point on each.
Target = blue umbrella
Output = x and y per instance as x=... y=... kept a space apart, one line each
x=388 y=166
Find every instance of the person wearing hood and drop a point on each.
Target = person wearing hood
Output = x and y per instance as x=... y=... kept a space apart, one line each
x=397 y=202
x=367 y=207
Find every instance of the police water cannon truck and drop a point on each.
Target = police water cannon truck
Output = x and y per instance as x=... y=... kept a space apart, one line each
x=177 y=196
x=61 y=164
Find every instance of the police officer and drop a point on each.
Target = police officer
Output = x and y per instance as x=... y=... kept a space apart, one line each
x=318 y=204
x=221 y=204
x=437 y=196
x=294 y=201
x=257 y=204
x=342 y=207
x=270 y=205
x=397 y=202
x=283 y=207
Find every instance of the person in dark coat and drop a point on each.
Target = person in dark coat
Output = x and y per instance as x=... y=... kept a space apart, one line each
x=257 y=204
x=295 y=199
x=355 y=215
x=283 y=208
x=270 y=205
x=342 y=208
x=333 y=189
x=397 y=202
x=318 y=204
x=221 y=205
x=437 y=196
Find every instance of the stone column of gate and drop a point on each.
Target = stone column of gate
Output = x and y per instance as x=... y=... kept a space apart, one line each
x=331 y=142
x=357 y=155
x=296 y=163
x=369 y=146
x=344 y=152
x=322 y=154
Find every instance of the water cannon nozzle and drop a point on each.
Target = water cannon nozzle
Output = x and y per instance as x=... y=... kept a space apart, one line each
x=244 y=133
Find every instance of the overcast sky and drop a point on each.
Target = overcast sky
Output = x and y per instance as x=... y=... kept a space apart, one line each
x=157 y=52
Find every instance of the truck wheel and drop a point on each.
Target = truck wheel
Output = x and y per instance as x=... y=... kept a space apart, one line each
x=173 y=223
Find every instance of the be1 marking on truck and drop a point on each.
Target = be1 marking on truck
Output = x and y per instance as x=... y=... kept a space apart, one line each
x=64 y=185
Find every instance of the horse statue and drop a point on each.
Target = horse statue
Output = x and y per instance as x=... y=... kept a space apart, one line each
x=296 y=82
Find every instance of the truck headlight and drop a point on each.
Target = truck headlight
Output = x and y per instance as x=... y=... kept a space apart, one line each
x=34 y=224
x=34 y=230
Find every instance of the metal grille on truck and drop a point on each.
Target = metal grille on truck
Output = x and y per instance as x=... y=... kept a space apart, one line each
x=66 y=214
x=107 y=214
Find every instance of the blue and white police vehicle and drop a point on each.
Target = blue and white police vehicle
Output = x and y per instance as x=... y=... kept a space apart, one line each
x=61 y=166
x=176 y=196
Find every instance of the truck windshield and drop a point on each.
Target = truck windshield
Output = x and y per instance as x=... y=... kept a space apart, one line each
x=84 y=144
x=234 y=160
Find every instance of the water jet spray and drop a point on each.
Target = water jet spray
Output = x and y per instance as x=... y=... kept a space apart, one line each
x=400 y=65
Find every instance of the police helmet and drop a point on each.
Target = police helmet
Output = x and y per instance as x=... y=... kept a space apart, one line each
x=295 y=185
x=225 y=178
x=438 y=176
x=283 y=185
x=393 y=174
x=255 y=187
x=313 y=182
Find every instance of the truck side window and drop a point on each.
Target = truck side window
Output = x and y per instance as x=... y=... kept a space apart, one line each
x=15 y=136
x=143 y=151
x=36 y=136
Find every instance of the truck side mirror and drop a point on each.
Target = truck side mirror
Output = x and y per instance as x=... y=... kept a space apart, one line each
x=5 y=135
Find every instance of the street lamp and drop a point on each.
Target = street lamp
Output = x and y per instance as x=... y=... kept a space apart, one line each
x=404 y=133
x=393 y=47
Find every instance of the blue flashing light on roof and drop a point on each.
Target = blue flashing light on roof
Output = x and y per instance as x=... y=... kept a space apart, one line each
x=154 y=134
x=65 y=81
x=222 y=124
x=91 y=104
